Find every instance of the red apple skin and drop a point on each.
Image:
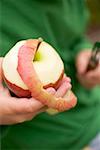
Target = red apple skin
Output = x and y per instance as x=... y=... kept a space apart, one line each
x=18 y=91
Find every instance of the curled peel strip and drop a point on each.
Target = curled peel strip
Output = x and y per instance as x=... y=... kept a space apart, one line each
x=29 y=76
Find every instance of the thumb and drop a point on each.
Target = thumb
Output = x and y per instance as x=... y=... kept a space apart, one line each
x=24 y=105
x=82 y=61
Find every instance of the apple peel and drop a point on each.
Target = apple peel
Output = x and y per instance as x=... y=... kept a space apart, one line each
x=29 y=76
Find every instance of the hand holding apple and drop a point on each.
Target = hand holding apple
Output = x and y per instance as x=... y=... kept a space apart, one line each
x=36 y=66
x=88 y=79
x=16 y=110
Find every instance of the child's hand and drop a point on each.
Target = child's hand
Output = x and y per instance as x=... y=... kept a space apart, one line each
x=16 y=110
x=88 y=79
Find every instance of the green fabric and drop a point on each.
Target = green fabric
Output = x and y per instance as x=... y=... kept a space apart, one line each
x=61 y=23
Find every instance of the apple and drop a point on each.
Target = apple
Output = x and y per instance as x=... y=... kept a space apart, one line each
x=30 y=67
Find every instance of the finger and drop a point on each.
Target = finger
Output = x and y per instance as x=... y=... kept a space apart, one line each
x=15 y=119
x=94 y=75
x=65 y=86
x=43 y=109
x=68 y=79
x=24 y=105
x=38 y=111
x=26 y=117
x=86 y=82
x=20 y=117
x=82 y=61
x=51 y=90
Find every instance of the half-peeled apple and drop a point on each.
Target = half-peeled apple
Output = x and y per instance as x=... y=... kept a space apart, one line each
x=30 y=67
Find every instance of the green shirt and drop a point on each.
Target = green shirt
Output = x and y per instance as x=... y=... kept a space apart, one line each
x=62 y=23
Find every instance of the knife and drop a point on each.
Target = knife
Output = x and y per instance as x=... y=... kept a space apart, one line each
x=95 y=57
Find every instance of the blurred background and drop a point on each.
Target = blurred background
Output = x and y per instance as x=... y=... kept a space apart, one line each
x=93 y=31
